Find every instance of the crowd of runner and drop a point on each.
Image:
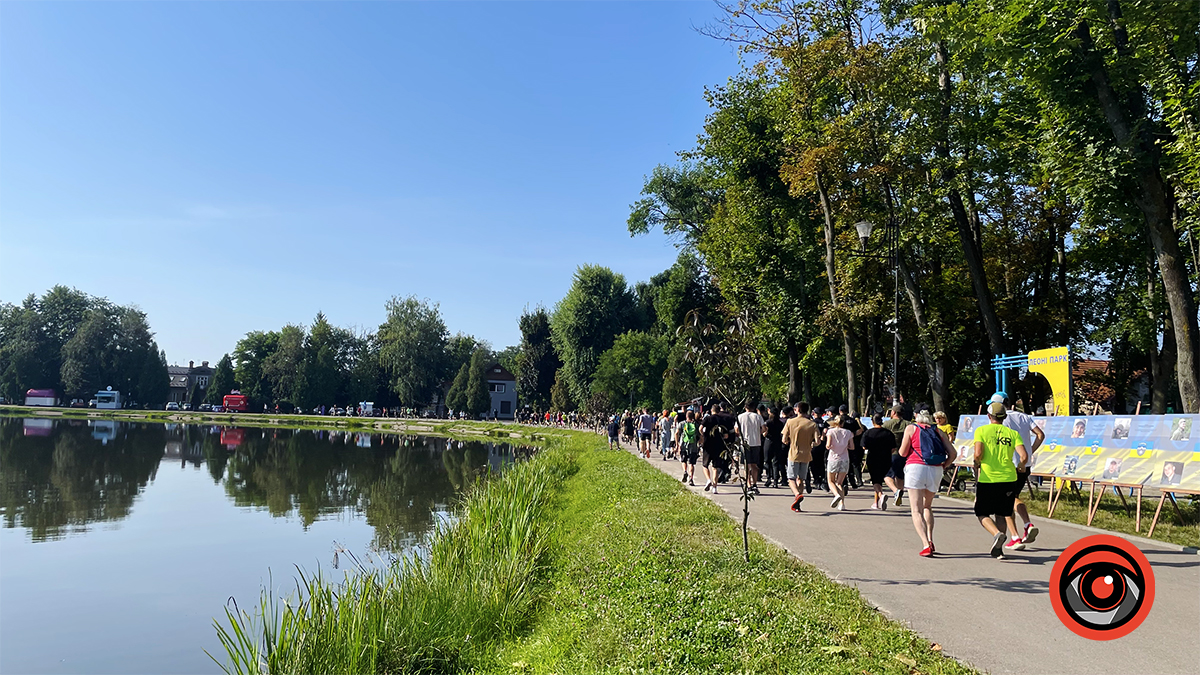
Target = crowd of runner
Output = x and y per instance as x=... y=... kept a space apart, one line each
x=803 y=449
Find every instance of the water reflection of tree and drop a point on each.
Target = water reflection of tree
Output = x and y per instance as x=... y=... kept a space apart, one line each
x=397 y=483
x=57 y=484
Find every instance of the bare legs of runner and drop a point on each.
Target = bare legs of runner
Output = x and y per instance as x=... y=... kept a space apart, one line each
x=921 y=504
x=839 y=493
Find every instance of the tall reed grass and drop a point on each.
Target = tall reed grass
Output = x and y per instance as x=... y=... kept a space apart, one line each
x=477 y=583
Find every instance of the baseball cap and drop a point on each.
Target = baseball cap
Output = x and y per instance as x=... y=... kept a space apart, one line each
x=998 y=397
x=996 y=409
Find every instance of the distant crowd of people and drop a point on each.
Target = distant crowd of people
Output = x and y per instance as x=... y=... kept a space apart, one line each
x=801 y=449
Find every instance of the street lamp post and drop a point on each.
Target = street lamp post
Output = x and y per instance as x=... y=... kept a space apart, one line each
x=891 y=239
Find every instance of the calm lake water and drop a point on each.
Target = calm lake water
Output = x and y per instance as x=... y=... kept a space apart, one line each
x=122 y=542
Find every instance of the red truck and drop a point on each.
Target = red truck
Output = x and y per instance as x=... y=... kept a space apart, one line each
x=236 y=402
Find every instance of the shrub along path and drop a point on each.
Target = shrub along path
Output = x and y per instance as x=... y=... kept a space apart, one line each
x=994 y=614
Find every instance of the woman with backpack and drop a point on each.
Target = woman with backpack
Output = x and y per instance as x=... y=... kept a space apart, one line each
x=927 y=452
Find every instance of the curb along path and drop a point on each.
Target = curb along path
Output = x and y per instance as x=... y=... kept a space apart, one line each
x=994 y=614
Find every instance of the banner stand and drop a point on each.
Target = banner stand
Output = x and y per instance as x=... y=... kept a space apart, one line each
x=1104 y=485
x=1163 y=498
x=1062 y=485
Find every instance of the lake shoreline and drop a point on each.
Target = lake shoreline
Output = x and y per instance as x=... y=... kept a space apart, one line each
x=425 y=427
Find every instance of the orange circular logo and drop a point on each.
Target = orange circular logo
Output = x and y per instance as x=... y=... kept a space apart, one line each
x=1102 y=587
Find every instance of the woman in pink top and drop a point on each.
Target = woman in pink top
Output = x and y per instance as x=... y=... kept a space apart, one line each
x=837 y=464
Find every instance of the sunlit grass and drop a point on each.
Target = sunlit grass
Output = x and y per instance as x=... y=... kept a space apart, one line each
x=477 y=583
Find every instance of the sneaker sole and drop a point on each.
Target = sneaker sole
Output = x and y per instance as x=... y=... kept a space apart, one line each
x=1031 y=536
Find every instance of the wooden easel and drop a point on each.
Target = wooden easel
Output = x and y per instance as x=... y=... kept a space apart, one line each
x=1055 y=495
x=1163 y=498
x=1094 y=507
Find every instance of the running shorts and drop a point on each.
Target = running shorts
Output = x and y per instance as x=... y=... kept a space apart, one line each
x=797 y=471
x=1022 y=481
x=922 y=477
x=995 y=499
x=754 y=454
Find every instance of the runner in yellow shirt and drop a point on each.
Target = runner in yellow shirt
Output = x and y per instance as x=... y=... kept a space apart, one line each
x=997 y=489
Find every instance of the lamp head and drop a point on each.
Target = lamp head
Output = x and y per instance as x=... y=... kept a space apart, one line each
x=864 y=228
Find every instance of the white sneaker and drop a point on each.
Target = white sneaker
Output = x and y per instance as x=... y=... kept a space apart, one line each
x=899 y=497
x=834 y=504
x=1031 y=533
x=842 y=505
x=714 y=489
x=883 y=502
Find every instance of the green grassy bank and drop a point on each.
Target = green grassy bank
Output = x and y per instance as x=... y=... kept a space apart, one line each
x=583 y=560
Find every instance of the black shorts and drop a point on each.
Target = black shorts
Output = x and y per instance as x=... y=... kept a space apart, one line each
x=995 y=499
x=897 y=470
x=644 y=435
x=754 y=454
x=879 y=468
x=1022 y=481
x=689 y=454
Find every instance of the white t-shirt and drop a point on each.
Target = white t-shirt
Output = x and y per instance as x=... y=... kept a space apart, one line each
x=751 y=424
x=1022 y=424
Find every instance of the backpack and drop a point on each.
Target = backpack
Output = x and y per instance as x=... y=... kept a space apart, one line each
x=930 y=446
x=687 y=433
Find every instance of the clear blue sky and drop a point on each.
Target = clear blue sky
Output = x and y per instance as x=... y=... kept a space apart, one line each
x=230 y=167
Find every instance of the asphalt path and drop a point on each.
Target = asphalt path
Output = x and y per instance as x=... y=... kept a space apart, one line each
x=993 y=614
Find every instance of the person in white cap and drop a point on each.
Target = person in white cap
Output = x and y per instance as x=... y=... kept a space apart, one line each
x=1033 y=437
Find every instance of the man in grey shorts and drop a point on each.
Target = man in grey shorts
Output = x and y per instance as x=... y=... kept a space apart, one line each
x=799 y=434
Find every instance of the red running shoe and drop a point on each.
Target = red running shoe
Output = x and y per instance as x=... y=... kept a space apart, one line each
x=796 y=503
x=926 y=552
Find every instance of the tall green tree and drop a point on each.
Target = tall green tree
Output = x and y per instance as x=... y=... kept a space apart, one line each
x=598 y=307
x=456 y=398
x=412 y=348
x=154 y=384
x=632 y=370
x=222 y=381
x=538 y=362
x=560 y=395
x=478 y=397
x=251 y=354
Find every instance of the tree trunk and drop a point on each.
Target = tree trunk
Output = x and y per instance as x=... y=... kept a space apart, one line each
x=1133 y=129
x=847 y=342
x=793 y=356
x=969 y=233
x=1159 y=380
x=935 y=366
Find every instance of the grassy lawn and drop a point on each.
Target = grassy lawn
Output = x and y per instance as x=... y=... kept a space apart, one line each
x=649 y=578
x=1072 y=508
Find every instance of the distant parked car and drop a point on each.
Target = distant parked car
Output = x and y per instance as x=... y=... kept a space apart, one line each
x=218 y=408
x=186 y=406
x=172 y=406
x=205 y=407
